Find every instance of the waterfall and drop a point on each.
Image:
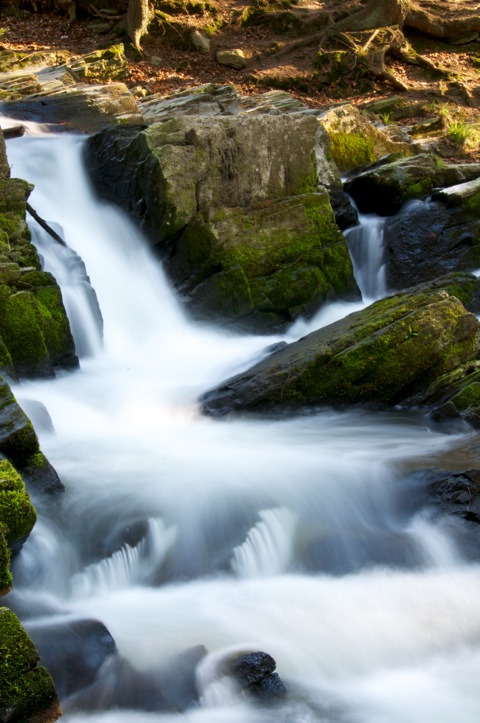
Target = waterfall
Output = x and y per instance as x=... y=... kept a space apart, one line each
x=296 y=536
x=365 y=242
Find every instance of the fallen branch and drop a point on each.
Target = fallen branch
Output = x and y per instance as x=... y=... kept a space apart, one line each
x=13 y=132
x=45 y=226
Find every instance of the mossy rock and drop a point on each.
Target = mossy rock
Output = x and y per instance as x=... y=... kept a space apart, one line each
x=174 y=32
x=355 y=141
x=100 y=66
x=17 y=514
x=387 y=353
x=236 y=207
x=186 y=7
x=6 y=577
x=27 y=691
x=385 y=187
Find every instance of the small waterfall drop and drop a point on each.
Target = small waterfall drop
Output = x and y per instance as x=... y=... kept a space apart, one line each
x=365 y=242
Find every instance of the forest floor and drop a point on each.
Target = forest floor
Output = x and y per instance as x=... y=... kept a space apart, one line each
x=279 y=55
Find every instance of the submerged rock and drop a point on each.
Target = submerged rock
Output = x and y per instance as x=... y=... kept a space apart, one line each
x=27 y=692
x=73 y=651
x=235 y=207
x=386 y=353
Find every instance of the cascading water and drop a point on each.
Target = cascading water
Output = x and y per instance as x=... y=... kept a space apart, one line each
x=365 y=242
x=300 y=537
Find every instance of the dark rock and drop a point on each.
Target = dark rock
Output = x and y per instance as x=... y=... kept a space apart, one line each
x=428 y=241
x=40 y=476
x=120 y=685
x=254 y=673
x=73 y=651
x=18 y=440
x=384 y=188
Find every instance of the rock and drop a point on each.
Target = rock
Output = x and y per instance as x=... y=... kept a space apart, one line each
x=384 y=188
x=40 y=476
x=102 y=65
x=235 y=208
x=206 y=100
x=73 y=651
x=233 y=58
x=87 y=108
x=254 y=673
x=34 y=329
x=386 y=353
x=463 y=195
x=17 y=514
x=456 y=493
x=121 y=686
x=354 y=140
x=18 y=440
x=201 y=43
x=429 y=240
x=27 y=692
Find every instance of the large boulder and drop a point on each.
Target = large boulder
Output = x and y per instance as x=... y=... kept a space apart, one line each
x=235 y=208
x=27 y=692
x=385 y=187
x=386 y=353
x=17 y=518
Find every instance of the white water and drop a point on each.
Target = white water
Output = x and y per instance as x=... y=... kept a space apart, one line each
x=298 y=536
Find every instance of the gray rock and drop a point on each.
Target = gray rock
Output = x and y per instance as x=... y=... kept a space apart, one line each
x=232 y=58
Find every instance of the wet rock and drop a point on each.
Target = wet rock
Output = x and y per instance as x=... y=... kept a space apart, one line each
x=430 y=240
x=254 y=673
x=18 y=440
x=40 y=476
x=120 y=685
x=27 y=692
x=387 y=353
x=73 y=651
x=38 y=415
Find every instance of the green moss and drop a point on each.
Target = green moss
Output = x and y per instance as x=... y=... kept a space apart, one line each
x=21 y=329
x=468 y=397
x=55 y=325
x=26 y=688
x=17 y=514
x=421 y=189
x=350 y=150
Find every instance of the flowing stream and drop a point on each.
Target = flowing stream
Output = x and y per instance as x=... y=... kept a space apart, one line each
x=303 y=537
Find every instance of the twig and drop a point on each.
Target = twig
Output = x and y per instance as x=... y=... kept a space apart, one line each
x=45 y=225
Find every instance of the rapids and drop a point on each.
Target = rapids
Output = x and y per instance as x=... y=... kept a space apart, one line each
x=303 y=537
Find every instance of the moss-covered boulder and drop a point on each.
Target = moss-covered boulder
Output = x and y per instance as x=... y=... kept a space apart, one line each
x=27 y=692
x=35 y=334
x=386 y=353
x=101 y=66
x=235 y=207
x=385 y=187
x=355 y=140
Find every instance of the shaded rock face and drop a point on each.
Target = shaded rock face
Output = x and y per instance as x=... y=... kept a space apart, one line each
x=386 y=353
x=254 y=673
x=430 y=240
x=235 y=208
x=27 y=692
x=385 y=187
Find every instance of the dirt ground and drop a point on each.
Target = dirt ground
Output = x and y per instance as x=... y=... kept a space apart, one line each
x=278 y=60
